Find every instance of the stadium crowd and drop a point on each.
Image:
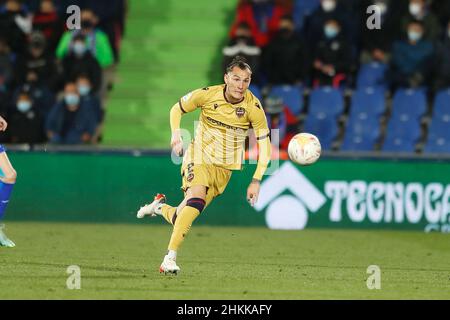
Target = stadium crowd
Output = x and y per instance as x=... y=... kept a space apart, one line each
x=314 y=43
x=54 y=81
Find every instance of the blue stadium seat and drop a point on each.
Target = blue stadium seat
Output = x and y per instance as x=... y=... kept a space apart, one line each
x=441 y=104
x=361 y=134
x=372 y=75
x=256 y=91
x=292 y=97
x=402 y=134
x=323 y=126
x=327 y=100
x=409 y=103
x=325 y=105
x=439 y=132
x=368 y=101
x=438 y=141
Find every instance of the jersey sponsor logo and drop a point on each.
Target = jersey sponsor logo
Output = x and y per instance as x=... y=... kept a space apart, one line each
x=240 y=112
x=186 y=97
x=224 y=125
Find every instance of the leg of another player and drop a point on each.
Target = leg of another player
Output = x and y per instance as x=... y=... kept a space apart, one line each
x=7 y=182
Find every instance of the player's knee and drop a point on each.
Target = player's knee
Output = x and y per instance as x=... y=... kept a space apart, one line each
x=197 y=203
x=10 y=176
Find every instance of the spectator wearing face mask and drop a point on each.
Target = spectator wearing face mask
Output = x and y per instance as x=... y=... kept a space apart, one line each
x=419 y=10
x=377 y=43
x=442 y=63
x=71 y=121
x=96 y=41
x=80 y=61
x=332 y=57
x=286 y=57
x=328 y=10
x=91 y=100
x=243 y=45
x=411 y=63
x=25 y=122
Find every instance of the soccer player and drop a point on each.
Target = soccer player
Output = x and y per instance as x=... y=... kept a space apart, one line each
x=7 y=181
x=228 y=111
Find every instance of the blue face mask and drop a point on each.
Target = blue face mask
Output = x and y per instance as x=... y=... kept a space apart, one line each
x=24 y=106
x=72 y=99
x=79 y=48
x=84 y=90
x=414 y=36
x=331 y=32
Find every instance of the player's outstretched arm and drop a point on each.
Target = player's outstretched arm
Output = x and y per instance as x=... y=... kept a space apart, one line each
x=259 y=123
x=264 y=154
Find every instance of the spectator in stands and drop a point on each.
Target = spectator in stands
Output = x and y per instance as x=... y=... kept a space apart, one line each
x=47 y=20
x=332 y=58
x=36 y=65
x=411 y=63
x=442 y=63
x=419 y=10
x=15 y=24
x=97 y=41
x=111 y=15
x=329 y=10
x=80 y=61
x=263 y=17
x=71 y=121
x=243 y=45
x=25 y=122
x=286 y=57
x=377 y=43
x=92 y=102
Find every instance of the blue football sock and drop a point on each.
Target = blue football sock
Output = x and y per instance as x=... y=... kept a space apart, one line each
x=5 y=194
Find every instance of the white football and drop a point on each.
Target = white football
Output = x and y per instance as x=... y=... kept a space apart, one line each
x=304 y=149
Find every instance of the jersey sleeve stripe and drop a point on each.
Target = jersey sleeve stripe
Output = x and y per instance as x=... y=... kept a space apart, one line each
x=181 y=106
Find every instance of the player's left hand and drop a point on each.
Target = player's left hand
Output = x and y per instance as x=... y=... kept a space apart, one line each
x=3 y=124
x=253 y=192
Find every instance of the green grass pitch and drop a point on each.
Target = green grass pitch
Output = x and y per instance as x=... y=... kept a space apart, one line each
x=121 y=262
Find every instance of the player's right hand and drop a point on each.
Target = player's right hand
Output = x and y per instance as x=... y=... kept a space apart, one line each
x=177 y=143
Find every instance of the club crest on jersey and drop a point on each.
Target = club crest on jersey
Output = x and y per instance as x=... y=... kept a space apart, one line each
x=240 y=112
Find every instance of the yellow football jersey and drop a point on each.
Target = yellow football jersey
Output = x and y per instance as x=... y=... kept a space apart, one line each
x=223 y=126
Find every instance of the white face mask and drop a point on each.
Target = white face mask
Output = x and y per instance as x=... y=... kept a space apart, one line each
x=328 y=5
x=415 y=9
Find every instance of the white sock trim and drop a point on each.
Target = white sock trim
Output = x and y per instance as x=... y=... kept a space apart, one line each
x=172 y=254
